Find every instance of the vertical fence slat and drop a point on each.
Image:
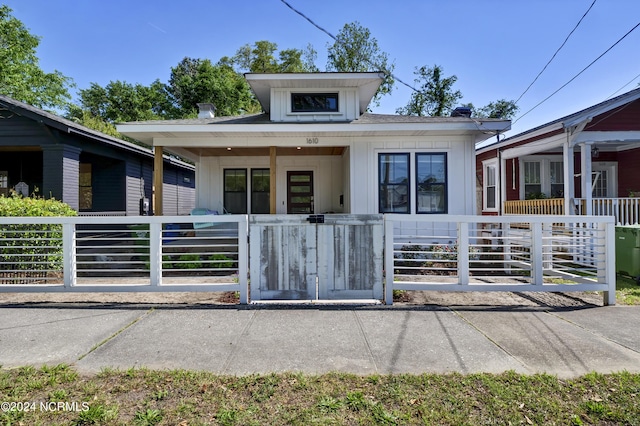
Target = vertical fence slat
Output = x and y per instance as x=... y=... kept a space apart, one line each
x=69 y=254
x=388 y=260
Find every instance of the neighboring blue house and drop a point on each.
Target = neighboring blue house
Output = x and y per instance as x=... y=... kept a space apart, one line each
x=92 y=172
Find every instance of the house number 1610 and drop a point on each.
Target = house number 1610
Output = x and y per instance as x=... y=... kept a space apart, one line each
x=312 y=141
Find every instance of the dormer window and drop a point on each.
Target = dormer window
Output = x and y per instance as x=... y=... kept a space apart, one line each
x=314 y=102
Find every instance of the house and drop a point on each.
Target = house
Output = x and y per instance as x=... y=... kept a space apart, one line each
x=315 y=149
x=92 y=172
x=583 y=163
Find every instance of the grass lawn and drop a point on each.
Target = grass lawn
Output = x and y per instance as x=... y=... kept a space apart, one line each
x=145 y=397
x=627 y=291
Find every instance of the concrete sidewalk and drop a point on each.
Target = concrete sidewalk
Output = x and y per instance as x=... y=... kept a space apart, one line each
x=317 y=339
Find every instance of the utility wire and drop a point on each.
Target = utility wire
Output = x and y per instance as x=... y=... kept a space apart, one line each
x=336 y=39
x=577 y=75
x=630 y=81
x=554 y=55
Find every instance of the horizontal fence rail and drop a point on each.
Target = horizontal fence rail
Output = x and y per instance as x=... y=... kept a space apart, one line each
x=500 y=253
x=211 y=253
x=116 y=254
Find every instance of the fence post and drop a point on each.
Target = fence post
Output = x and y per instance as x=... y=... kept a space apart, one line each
x=155 y=253
x=463 y=253
x=536 y=253
x=607 y=255
x=388 y=261
x=243 y=260
x=69 y=264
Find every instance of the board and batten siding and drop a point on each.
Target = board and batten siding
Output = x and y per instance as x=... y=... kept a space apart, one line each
x=347 y=99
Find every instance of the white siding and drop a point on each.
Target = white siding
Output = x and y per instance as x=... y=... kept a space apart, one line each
x=348 y=102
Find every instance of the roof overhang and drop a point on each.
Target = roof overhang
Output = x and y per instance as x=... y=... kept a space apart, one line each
x=167 y=134
x=367 y=84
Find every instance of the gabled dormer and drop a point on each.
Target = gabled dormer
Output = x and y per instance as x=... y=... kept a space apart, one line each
x=315 y=97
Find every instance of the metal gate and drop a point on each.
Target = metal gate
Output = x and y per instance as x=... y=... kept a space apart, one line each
x=316 y=257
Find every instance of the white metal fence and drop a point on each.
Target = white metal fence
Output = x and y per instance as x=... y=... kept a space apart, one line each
x=115 y=254
x=211 y=253
x=500 y=253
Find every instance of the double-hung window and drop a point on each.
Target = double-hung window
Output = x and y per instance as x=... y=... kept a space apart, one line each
x=402 y=191
x=431 y=183
x=394 y=183
x=235 y=191
x=489 y=185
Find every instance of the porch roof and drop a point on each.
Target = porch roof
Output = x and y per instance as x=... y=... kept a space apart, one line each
x=209 y=131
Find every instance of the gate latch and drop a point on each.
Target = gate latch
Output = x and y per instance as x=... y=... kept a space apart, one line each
x=316 y=218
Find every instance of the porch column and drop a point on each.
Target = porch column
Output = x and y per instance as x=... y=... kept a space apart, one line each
x=585 y=176
x=61 y=173
x=569 y=187
x=272 y=179
x=158 y=173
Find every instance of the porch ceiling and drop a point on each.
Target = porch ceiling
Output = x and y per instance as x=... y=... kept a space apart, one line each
x=264 y=151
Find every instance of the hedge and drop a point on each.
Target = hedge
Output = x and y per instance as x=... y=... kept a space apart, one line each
x=30 y=250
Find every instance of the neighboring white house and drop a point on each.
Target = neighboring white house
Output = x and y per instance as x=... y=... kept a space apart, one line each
x=315 y=149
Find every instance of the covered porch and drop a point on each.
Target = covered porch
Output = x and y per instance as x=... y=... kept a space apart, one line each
x=574 y=172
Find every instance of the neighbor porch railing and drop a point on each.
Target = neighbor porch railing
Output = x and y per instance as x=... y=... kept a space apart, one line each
x=534 y=207
x=625 y=210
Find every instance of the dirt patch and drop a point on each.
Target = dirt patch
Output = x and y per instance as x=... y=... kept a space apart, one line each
x=407 y=298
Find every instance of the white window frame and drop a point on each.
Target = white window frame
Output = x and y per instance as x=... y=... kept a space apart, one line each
x=545 y=171
x=486 y=166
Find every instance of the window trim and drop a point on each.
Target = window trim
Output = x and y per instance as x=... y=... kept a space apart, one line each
x=445 y=183
x=292 y=110
x=545 y=172
x=251 y=191
x=485 y=166
x=224 y=187
x=408 y=184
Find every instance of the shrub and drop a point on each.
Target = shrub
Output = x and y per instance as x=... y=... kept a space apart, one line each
x=31 y=249
x=220 y=261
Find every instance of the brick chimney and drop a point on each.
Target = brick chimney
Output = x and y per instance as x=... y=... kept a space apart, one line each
x=206 y=110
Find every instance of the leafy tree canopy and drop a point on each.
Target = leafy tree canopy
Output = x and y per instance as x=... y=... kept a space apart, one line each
x=261 y=58
x=435 y=96
x=21 y=77
x=355 y=50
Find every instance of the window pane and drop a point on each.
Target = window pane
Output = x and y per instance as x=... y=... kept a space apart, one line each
x=490 y=187
x=260 y=190
x=394 y=183
x=490 y=176
x=314 y=102
x=491 y=197
x=235 y=191
x=431 y=171
x=599 y=183
x=532 y=172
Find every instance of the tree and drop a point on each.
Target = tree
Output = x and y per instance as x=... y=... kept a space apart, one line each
x=119 y=102
x=21 y=77
x=499 y=109
x=260 y=58
x=355 y=50
x=194 y=81
x=435 y=96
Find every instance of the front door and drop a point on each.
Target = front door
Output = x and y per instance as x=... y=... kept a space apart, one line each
x=300 y=192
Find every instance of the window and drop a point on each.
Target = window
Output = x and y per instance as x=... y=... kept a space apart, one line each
x=489 y=185
x=314 y=102
x=260 y=190
x=85 y=201
x=532 y=181
x=557 y=179
x=431 y=179
x=393 y=183
x=599 y=183
x=235 y=191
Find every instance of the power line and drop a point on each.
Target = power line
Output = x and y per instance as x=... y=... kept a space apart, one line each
x=554 y=55
x=628 y=83
x=577 y=75
x=336 y=39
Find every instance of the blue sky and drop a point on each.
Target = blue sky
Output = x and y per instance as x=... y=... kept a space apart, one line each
x=495 y=47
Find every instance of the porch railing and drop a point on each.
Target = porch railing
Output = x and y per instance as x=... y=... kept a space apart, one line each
x=535 y=207
x=625 y=210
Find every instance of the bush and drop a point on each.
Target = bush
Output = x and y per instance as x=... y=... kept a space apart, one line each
x=31 y=250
